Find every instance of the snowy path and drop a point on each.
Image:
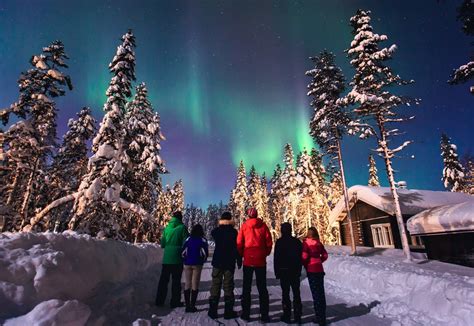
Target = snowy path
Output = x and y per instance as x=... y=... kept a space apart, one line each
x=339 y=312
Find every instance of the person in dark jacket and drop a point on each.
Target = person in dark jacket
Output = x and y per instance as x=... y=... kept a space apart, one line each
x=195 y=253
x=172 y=242
x=224 y=259
x=287 y=266
x=254 y=243
x=313 y=256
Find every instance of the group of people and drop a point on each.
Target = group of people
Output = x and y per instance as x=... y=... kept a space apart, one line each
x=248 y=249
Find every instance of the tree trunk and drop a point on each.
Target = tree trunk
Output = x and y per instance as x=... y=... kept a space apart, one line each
x=58 y=202
x=15 y=182
x=391 y=180
x=26 y=199
x=346 y=199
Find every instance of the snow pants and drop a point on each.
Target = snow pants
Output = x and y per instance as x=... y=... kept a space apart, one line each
x=222 y=278
x=316 y=284
x=292 y=282
x=261 y=278
x=175 y=271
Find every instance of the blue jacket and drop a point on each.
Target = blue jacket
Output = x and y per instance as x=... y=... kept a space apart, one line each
x=195 y=251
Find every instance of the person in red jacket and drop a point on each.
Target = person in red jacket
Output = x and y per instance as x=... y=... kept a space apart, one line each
x=254 y=243
x=313 y=256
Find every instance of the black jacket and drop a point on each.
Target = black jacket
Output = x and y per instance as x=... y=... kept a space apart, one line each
x=225 y=252
x=287 y=257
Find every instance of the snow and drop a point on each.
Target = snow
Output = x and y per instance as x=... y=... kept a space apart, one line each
x=419 y=293
x=412 y=201
x=63 y=277
x=458 y=217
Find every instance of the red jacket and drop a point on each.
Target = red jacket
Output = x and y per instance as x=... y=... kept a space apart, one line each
x=314 y=255
x=254 y=242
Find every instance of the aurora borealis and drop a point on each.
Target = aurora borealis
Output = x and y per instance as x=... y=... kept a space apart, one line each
x=227 y=77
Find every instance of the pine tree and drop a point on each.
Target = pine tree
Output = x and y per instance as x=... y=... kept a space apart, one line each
x=465 y=72
x=373 y=178
x=98 y=205
x=256 y=193
x=265 y=201
x=330 y=121
x=453 y=174
x=468 y=182
x=276 y=202
x=177 y=197
x=239 y=196
x=31 y=140
x=374 y=103
x=212 y=218
x=289 y=187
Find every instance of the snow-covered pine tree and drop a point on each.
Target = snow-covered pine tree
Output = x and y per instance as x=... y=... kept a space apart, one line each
x=212 y=218
x=465 y=72
x=468 y=182
x=453 y=172
x=373 y=177
x=69 y=165
x=265 y=201
x=177 y=196
x=239 y=196
x=28 y=161
x=329 y=121
x=164 y=206
x=256 y=192
x=98 y=205
x=373 y=100
x=276 y=202
x=289 y=187
x=307 y=185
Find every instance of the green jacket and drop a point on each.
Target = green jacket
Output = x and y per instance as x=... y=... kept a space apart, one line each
x=174 y=235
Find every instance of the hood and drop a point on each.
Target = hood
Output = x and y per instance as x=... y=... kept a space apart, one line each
x=174 y=222
x=254 y=222
x=311 y=241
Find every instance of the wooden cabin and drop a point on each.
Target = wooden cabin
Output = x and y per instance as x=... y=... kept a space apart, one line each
x=373 y=214
x=447 y=232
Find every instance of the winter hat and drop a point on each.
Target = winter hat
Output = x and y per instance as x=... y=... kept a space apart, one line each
x=226 y=216
x=178 y=215
x=252 y=213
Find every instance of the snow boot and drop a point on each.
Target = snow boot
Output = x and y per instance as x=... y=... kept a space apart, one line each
x=245 y=315
x=297 y=311
x=194 y=294
x=229 y=312
x=286 y=317
x=187 y=300
x=213 y=304
x=265 y=318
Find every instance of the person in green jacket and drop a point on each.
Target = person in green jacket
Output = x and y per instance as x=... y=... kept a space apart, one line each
x=172 y=241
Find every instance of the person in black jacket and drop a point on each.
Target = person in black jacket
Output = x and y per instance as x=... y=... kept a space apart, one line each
x=224 y=260
x=287 y=266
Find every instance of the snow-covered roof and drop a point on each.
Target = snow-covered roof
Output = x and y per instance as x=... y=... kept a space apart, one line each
x=447 y=218
x=412 y=201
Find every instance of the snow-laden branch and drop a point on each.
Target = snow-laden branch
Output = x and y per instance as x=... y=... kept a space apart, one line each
x=401 y=147
x=58 y=202
x=134 y=208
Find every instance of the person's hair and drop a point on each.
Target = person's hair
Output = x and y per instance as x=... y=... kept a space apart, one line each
x=197 y=231
x=285 y=228
x=226 y=216
x=313 y=233
x=178 y=214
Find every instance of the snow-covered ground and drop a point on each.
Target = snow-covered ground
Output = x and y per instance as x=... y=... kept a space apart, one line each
x=70 y=279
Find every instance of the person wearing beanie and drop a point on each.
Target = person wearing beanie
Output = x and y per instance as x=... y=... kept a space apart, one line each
x=174 y=235
x=224 y=260
x=287 y=265
x=254 y=243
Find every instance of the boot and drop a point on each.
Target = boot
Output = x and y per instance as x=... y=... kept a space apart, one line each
x=229 y=312
x=297 y=312
x=213 y=304
x=194 y=295
x=187 y=300
x=286 y=317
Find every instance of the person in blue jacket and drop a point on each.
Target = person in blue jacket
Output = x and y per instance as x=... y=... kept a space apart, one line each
x=195 y=253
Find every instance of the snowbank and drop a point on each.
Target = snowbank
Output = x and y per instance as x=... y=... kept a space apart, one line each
x=74 y=275
x=419 y=293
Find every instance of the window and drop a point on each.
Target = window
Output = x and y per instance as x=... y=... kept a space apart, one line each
x=382 y=235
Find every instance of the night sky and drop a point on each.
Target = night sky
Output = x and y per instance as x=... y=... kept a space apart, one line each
x=227 y=77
